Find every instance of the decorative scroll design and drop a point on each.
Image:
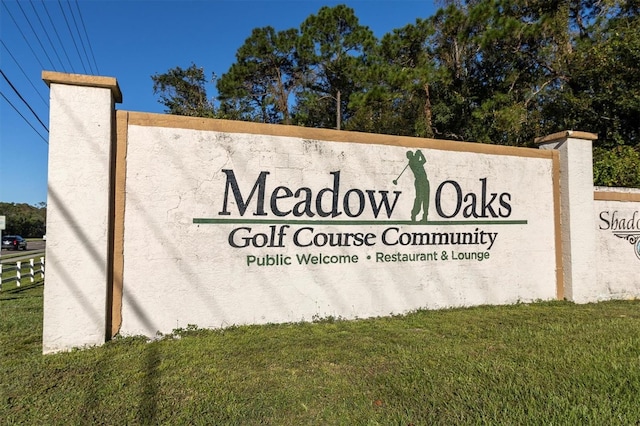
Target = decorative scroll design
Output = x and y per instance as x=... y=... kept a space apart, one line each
x=633 y=238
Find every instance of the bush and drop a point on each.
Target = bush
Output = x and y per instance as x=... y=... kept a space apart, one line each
x=616 y=167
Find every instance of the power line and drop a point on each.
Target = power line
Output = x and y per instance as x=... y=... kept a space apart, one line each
x=23 y=100
x=84 y=49
x=87 y=37
x=55 y=30
x=76 y=15
x=76 y=28
x=72 y=37
x=37 y=37
x=24 y=73
x=23 y=36
x=24 y=118
x=46 y=33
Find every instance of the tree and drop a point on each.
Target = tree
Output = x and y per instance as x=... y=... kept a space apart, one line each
x=396 y=98
x=453 y=94
x=258 y=87
x=333 y=45
x=619 y=166
x=603 y=93
x=183 y=91
x=492 y=71
x=504 y=57
x=24 y=219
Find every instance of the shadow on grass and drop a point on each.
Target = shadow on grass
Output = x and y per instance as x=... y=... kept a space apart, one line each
x=5 y=294
x=148 y=406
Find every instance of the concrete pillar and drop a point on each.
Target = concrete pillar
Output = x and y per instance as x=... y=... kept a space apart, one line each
x=577 y=218
x=81 y=134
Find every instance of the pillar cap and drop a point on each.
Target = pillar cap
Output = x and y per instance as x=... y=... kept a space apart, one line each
x=565 y=135
x=84 y=80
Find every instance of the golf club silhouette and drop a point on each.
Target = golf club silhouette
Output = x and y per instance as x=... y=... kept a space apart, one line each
x=395 y=181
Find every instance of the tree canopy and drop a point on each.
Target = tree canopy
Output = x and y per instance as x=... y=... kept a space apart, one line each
x=24 y=219
x=490 y=71
x=183 y=91
x=259 y=86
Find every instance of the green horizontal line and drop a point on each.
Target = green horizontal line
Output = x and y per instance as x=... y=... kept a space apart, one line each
x=354 y=222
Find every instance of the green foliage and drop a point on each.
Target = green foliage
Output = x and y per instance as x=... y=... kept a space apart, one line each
x=183 y=91
x=603 y=94
x=543 y=363
x=266 y=74
x=616 y=167
x=24 y=219
x=334 y=45
x=397 y=97
x=491 y=71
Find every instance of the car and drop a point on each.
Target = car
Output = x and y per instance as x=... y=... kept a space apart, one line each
x=14 y=242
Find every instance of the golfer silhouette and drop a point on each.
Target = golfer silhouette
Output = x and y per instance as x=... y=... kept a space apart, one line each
x=421 y=184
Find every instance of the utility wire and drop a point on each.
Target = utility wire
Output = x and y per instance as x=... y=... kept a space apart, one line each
x=37 y=37
x=72 y=37
x=46 y=33
x=24 y=118
x=23 y=36
x=87 y=36
x=25 y=102
x=84 y=49
x=25 y=74
x=44 y=4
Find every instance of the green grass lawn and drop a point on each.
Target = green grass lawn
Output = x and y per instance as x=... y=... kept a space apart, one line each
x=543 y=363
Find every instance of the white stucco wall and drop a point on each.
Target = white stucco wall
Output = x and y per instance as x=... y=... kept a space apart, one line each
x=177 y=272
x=77 y=216
x=183 y=225
x=618 y=245
x=576 y=201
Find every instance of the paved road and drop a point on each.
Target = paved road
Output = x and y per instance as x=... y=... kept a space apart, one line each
x=34 y=248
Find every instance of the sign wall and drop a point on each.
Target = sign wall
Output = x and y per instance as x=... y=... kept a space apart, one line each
x=230 y=227
x=166 y=222
x=618 y=241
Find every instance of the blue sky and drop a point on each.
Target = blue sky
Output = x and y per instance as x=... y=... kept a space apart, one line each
x=132 y=40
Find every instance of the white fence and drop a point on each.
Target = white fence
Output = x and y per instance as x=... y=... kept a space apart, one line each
x=18 y=272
